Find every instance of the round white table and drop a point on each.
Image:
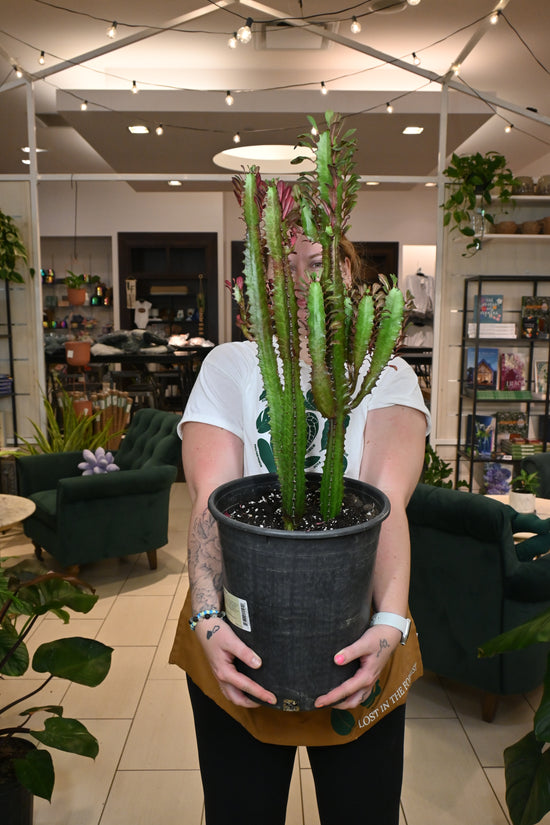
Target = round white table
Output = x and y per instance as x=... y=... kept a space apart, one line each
x=14 y=509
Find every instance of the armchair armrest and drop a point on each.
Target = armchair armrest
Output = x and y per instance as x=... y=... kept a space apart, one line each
x=43 y=471
x=119 y=483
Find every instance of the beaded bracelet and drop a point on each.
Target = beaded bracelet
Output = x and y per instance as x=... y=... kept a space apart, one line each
x=205 y=614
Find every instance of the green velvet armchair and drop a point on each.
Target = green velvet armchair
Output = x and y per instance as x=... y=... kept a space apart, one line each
x=80 y=519
x=468 y=585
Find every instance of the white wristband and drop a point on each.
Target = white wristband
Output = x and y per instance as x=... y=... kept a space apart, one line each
x=393 y=620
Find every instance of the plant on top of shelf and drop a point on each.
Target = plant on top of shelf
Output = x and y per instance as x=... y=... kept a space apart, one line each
x=12 y=251
x=345 y=322
x=28 y=592
x=74 y=281
x=525 y=482
x=474 y=182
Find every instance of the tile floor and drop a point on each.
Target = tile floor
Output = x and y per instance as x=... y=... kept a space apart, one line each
x=146 y=771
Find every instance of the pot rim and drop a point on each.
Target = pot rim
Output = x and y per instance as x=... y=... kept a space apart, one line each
x=298 y=535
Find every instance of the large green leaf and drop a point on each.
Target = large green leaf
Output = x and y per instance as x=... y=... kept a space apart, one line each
x=56 y=593
x=84 y=661
x=67 y=735
x=527 y=770
x=542 y=716
x=18 y=661
x=529 y=633
x=35 y=772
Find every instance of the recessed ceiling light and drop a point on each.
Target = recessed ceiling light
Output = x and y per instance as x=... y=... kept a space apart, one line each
x=138 y=129
x=272 y=159
x=174 y=183
x=413 y=130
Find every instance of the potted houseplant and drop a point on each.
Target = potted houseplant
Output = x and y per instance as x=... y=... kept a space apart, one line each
x=76 y=287
x=345 y=323
x=475 y=181
x=527 y=762
x=27 y=592
x=523 y=491
x=12 y=250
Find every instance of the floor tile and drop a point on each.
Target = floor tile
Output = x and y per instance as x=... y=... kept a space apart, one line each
x=161 y=796
x=163 y=581
x=135 y=619
x=161 y=668
x=427 y=699
x=179 y=597
x=162 y=735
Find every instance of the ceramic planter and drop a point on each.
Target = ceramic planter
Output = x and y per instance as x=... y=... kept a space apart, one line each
x=297 y=597
x=77 y=353
x=522 y=502
x=76 y=297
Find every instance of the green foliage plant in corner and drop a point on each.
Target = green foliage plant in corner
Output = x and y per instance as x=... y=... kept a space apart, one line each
x=74 y=281
x=527 y=762
x=28 y=592
x=345 y=322
x=474 y=182
x=525 y=482
x=12 y=250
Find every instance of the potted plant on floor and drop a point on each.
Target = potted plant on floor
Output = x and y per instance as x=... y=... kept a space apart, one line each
x=527 y=762
x=475 y=181
x=523 y=491
x=28 y=592
x=346 y=322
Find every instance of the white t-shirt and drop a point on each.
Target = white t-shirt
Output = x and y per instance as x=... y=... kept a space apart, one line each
x=229 y=393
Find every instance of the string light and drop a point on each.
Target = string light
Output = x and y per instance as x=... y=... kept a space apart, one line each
x=413 y=2
x=236 y=138
x=18 y=71
x=456 y=68
x=83 y=105
x=42 y=58
x=233 y=41
x=494 y=18
x=416 y=59
x=244 y=34
x=160 y=129
x=314 y=131
x=111 y=32
x=229 y=99
x=508 y=128
x=389 y=108
x=324 y=90
x=135 y=89
x=355 y=25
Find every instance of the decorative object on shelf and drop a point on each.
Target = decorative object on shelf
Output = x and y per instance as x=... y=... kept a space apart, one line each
x=530 y=227
x=130 y=284
x=524 y=488
x=76 y=287
x=526 y=765
x=524 y=185
x=543 y=185
x=27 y=592
x=12 y=251
x=506 y=228
x=496 y=479
x=475 y=181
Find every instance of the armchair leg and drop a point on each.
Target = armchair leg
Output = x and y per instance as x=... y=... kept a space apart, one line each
x=37 y=551
x=489 y=702
x=152 y=556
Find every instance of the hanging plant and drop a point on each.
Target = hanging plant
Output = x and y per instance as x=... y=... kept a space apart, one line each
x=475 y=181
x=12 y=250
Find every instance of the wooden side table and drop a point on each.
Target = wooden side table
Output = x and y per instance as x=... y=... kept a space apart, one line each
x=14 y=509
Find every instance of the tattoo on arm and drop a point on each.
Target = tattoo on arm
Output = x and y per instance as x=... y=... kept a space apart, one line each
x=205 y=562
x=384 y=644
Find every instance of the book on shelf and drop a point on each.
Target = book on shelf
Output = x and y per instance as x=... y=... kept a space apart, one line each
x=509 y=424
x=499 y=395
x=521 y=449
x=513 y=371
x=484 y=372
x=482 y=439
x=540 y=379
x=488 y=330
x=488 y=308
x=496 y=478
x=535 y=317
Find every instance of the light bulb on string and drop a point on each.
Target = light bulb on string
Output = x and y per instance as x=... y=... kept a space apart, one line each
x=493 y=20
x=233 y=41
x=244 y=34
x=83 y=105
x=314 y=131
x=416 y=59
x=229 y=99
x=355 y=25
x=135 y=89
x=111 y=31
x=236 y=138
x=18 y=71
x=413 y=2
x=456 y=69
x=389 y=108
x=160 y=129
x=508 y=128
x=42 y=58
x=324 y=90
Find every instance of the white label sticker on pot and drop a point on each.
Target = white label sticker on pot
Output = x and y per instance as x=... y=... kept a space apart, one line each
x=70 y=353
x=236 y=610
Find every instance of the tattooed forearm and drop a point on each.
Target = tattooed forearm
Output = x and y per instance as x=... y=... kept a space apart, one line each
x=205 y=563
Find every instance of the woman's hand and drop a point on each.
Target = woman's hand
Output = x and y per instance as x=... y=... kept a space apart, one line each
x=222 y=646
x=373 y=651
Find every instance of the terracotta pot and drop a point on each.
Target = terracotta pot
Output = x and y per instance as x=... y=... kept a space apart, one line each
x=76 y=297
x=77 y=353
x=506 y=228
x=82 y=407
x=545 y=225
x=530 y=227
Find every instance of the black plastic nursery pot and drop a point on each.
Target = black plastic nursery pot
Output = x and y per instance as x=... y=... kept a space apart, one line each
x=16 y=802
x=296 y=598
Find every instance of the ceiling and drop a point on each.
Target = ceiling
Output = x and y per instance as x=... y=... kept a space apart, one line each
x=176 y=52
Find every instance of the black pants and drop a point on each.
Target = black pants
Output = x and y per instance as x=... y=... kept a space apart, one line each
x=246 y=781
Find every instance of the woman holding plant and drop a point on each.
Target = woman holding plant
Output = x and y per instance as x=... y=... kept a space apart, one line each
x=355 y=734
